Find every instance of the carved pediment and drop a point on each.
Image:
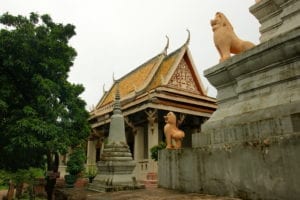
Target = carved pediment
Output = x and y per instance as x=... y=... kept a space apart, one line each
x=183 y=78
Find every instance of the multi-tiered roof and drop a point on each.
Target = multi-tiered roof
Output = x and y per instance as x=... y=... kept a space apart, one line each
x=166 y=81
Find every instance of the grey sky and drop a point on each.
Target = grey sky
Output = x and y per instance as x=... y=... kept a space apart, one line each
x=116 y=36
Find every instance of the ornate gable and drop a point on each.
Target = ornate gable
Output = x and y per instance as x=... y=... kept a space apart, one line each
x=182 y=78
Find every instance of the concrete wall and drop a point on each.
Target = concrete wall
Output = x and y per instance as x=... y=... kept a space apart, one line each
x=246 y=170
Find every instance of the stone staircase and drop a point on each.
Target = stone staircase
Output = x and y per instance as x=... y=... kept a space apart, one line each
x=151 y=180
x=96 y=186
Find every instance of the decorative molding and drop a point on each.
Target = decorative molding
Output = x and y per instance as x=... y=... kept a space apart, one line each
x=151 y=116
x=181 y=119
x=131 y=125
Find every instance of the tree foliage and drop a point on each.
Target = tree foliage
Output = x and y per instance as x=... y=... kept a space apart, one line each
x=40 y=111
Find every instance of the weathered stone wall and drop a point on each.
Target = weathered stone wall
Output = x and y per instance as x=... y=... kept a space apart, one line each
x=276 y=17
x=250 y=147
x=246 y=170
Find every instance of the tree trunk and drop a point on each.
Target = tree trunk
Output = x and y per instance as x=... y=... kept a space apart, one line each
x=52 y=169
x=19 y=190
x=11 y=190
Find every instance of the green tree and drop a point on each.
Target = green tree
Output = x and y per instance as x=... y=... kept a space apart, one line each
x=41 y=113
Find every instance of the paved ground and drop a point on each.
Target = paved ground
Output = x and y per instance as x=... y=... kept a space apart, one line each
x=2 y=193
x=153 y=194
x=147 y=194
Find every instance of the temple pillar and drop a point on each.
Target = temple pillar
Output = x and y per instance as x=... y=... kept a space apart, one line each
x=152 y=137
x=152 y=141
x=139 y=153
x=91 y=152
x=150 y=173
x=139 y=144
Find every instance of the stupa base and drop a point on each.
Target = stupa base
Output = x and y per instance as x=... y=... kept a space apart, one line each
x=117 y=182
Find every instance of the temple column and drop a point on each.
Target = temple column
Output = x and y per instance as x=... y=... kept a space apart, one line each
x=139 y=144
x=152 y=141
x=91 y=152
x=139 y=153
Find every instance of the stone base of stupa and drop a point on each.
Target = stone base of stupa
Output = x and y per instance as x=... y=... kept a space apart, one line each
x=115 y=170
x=119 y=182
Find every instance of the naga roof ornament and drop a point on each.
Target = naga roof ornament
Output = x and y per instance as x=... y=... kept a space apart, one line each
x=167 y=46
x=189 y=37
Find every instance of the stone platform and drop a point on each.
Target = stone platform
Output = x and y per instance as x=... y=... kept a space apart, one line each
x=115 y=170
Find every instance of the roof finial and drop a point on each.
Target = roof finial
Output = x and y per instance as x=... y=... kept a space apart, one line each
x=167 y=45
x=113 y=76
x=103 y=89
x=189 y=36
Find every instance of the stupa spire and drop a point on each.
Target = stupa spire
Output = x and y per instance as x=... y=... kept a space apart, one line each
x=117 y=103
x=116 y=164
x=117 y=124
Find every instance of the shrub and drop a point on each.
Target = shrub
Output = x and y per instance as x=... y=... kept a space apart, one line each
x=154 y=150
x=91 y=171
x=4 y=179
x=76 y=161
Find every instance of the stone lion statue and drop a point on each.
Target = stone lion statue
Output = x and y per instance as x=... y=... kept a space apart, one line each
x=226 y=41
x=172 y=132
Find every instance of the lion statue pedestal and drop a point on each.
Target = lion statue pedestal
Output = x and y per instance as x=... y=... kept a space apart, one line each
x=172 y=132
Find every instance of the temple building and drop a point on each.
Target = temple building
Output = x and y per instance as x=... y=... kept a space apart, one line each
x=166 y=82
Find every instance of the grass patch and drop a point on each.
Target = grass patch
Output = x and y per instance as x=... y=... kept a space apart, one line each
x=3 y=187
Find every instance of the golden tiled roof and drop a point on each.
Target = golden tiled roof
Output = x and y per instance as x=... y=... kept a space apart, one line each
x=136 y=79
x=131 y=81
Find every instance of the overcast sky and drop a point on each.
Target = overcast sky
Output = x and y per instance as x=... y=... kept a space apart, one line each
x=116 y=36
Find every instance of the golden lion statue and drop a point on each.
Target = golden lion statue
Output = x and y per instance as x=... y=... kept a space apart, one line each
x=226 y=41
x=172 y=132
